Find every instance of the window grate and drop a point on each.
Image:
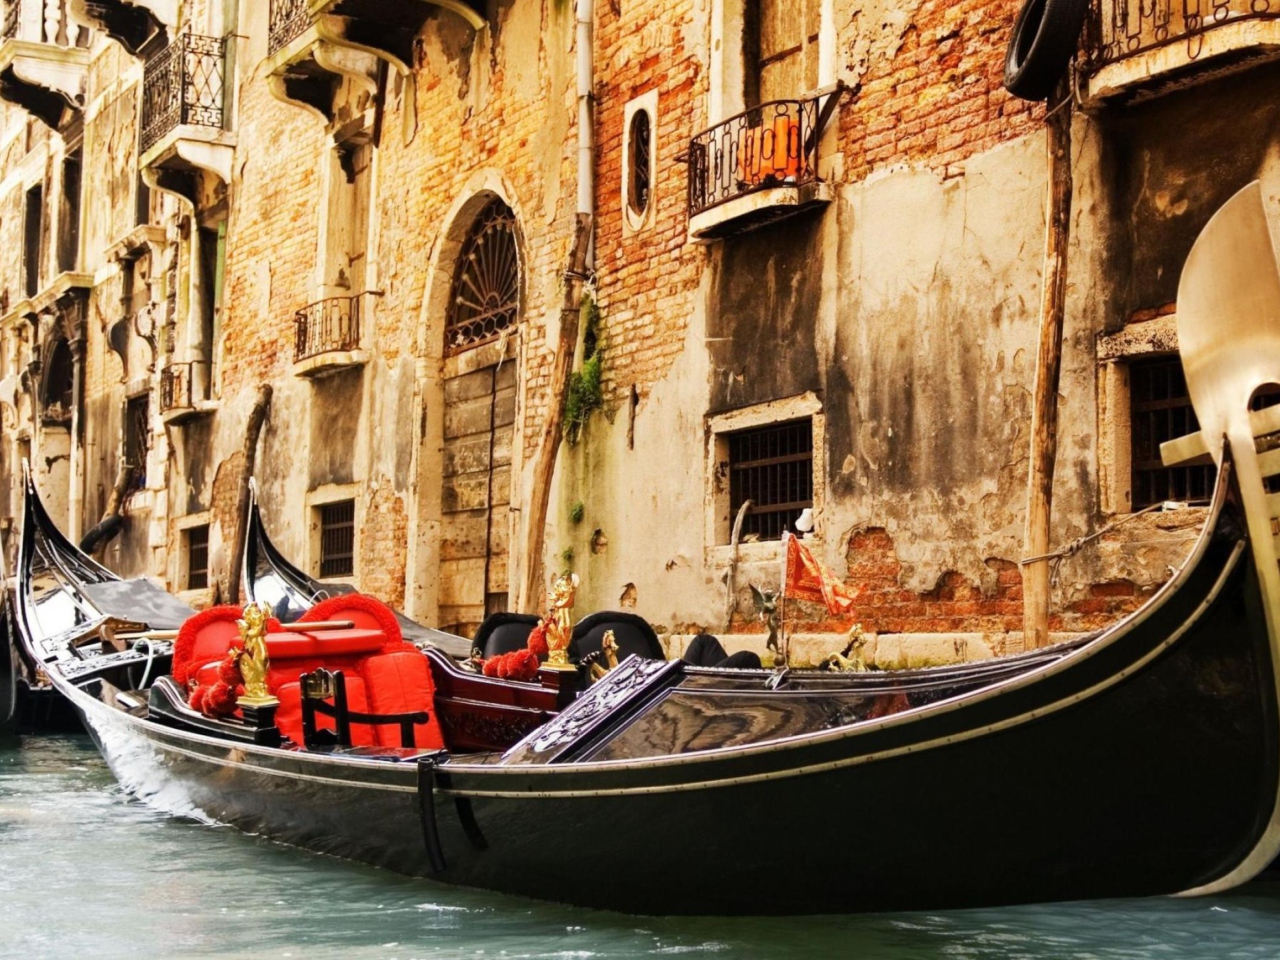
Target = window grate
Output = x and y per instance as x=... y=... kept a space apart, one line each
x=639 y=162
x=137 y=439
x=773 y=468
x=337 y=539
x=198 y=557
x=1160 y=410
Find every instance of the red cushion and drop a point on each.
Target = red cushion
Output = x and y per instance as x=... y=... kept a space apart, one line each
x=401 y=683
x=365 y=612
x=292 y=646
x=289 y=713
x=206 y=636
x=283 y=671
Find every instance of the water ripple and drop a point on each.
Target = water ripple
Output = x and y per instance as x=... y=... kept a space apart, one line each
x=84 y=871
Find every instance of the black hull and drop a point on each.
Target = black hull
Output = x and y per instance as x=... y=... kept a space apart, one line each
x=1145 y=764
x=8 y=671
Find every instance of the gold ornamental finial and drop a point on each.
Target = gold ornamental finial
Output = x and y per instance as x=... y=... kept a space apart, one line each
x=254 y=661
x=559 y=623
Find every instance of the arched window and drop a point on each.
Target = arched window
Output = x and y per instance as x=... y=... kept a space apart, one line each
x=58 y=382
x=485 y=299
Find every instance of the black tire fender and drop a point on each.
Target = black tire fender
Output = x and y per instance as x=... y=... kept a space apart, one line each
x=1044 y=40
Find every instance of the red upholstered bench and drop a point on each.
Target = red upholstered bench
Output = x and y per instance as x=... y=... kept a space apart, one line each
x=401 y=683
x=289 y=713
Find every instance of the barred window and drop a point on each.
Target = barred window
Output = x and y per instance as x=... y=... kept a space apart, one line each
x=1160 y=410
x=486 y=282
x=773 y=468
x=337 y=538
x=640 y=147
x=197 y=544
x=137 y=438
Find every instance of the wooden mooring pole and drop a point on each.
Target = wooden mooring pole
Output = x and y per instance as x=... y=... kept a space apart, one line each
x=1044 y=413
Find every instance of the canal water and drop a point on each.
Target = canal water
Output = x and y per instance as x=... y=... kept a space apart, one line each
x=85 y=872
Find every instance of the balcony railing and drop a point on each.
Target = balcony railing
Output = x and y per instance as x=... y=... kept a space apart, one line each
x=1120 y=29
x=288 y=20
x=772 y=145
x=183 y=84
x=175 y=388
x=327 y=326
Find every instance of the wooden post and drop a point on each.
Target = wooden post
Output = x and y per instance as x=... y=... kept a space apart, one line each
x=544 y=466
x=256 y=417
x=1044 y=414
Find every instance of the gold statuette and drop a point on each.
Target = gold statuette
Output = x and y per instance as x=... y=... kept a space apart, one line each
x=254 y=661
x=560 y=621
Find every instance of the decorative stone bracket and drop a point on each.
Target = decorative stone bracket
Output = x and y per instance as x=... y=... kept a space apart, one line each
x=134 y=24
x=44 y=79
x=317 y=43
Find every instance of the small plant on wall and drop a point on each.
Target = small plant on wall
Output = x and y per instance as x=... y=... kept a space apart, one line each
x=585 y=392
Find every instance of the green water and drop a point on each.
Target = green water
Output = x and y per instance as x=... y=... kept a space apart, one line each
x=85 y=872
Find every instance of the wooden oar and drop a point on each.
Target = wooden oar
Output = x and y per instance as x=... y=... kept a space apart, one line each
x=317 y=626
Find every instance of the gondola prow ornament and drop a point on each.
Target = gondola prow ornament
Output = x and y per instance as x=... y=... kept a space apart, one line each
x=254 y=661
x=559 y=624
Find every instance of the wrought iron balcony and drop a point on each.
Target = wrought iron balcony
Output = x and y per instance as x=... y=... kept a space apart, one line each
x=183 y=84
x=42 y=59
x=327 y=327
x=759 y=161
x=289 y=19
x=1151 y=44
x=175 y=388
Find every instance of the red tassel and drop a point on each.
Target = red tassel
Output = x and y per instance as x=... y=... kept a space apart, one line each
x=220 y=701
x=229 y=669
x=491 y=667
x=538 y=641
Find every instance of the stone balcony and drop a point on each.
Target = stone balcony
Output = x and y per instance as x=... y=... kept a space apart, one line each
x=182 y=129
x=758 y=166
x=1135 y=50
x=43 y=59
x=316 y=44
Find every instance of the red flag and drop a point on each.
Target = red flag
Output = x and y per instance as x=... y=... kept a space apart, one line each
x=807 y=579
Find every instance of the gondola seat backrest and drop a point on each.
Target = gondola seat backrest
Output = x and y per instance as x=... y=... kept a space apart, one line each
x=401 y=682
x=204 y=638
x=633 y=634
x=365 y=613
x=504 y=633
x=289 y=713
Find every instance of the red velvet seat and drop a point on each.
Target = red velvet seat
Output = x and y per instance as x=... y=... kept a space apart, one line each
x=289 y=713
x=401 y=683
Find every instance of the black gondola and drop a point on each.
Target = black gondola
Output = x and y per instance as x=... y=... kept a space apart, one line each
x=269 y=578
x=1143 y=760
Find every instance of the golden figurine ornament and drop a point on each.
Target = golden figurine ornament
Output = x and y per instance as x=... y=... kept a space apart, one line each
x=559 y=623
x=609 y=647
x=254 y=661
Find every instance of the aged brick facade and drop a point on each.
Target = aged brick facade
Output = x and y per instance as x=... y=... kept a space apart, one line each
x=337 y=175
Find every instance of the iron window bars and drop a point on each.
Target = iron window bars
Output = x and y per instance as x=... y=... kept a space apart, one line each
x=9 y=16
x=327 y=326
x=288 y=20
x=1119 y=29
x=774 y=144
x=175 y=387
x=198 y=557
x=773 y=468
x=183 y=84
x=337 y=538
